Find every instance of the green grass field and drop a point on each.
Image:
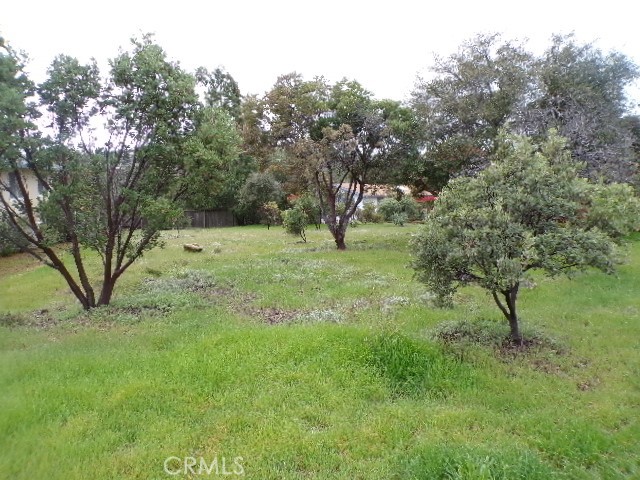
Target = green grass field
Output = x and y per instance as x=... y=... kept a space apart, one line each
x=312 y=363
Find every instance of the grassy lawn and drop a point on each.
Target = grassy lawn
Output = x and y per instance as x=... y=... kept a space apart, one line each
x=312 y=363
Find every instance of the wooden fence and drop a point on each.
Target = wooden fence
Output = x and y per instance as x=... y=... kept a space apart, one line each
x=211 y=218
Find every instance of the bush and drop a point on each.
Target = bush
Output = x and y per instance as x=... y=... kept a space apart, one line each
x=399 y=218
x=310 y=205
x=270 y=214
x=387 y=208
x=411 y=208
x=406 y=205
x=369 y=214
x=10 y=242
x=295 y=221
x=6 y=249
x=258 y=189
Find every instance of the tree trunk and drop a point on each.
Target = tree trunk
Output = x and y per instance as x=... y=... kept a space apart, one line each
x=510 y=311
x=515 y=328
x=339 y=238
x=107 y=291
x=511 y=296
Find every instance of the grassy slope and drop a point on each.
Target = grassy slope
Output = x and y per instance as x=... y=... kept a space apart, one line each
x=346 y=385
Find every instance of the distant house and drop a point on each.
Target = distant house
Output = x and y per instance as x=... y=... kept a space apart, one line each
x=10 y=189
x=375 y=193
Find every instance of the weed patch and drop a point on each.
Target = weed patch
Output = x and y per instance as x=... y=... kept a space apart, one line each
x=272 y=316
x=327 y=315
x=39 y=319
x=180 y=281
x=414 y=367
x=494 y=334
x=456 y=462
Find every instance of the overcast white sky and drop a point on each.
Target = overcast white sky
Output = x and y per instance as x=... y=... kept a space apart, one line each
x=382 y=44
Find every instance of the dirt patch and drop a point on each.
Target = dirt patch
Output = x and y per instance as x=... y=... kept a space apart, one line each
x=39 y=319
x=590 y=384
x=532 y=344
x=271 y=315
x=547 y=366
x=540 y=351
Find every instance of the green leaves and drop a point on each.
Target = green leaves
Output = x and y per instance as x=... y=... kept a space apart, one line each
x=71 y=94
x=114 y=191
x=527 y=210
x=211 y=161
x=490 y=84
x=295 y=221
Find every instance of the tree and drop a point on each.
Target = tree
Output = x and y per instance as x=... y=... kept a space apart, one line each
x=528 y=210
x=213 y=161
x=259 y=188
x=491 y=84
x=473 y=94
x=338 y=168
x=270 y=214
x=295 y=221
x=295 y=109
x=222 y=91
x=581 y=93
x=113 y=198
x=356 y=138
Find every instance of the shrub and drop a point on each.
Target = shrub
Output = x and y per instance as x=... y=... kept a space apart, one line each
x=406 y=205
x=310 y=205
x=270 y=214
x=258 y=189
x=410 y=207
x=387 y=208
x=10 y=242
x=399 y=218
x=369 y=214
x=295 y=221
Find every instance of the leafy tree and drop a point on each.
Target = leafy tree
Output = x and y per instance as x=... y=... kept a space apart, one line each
x=295 y=109
x=295 y=221
x=255 y=140
x=330 y=139
x=370 y=215
x=341 y=156
x=528 y=210
x=113 y=198
x=339 y=174
x=259 y=188
x=581 y=93
x=213 y=161
x=222 y=91
x=491 y=84
x=406 y=207
x=473 y=94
